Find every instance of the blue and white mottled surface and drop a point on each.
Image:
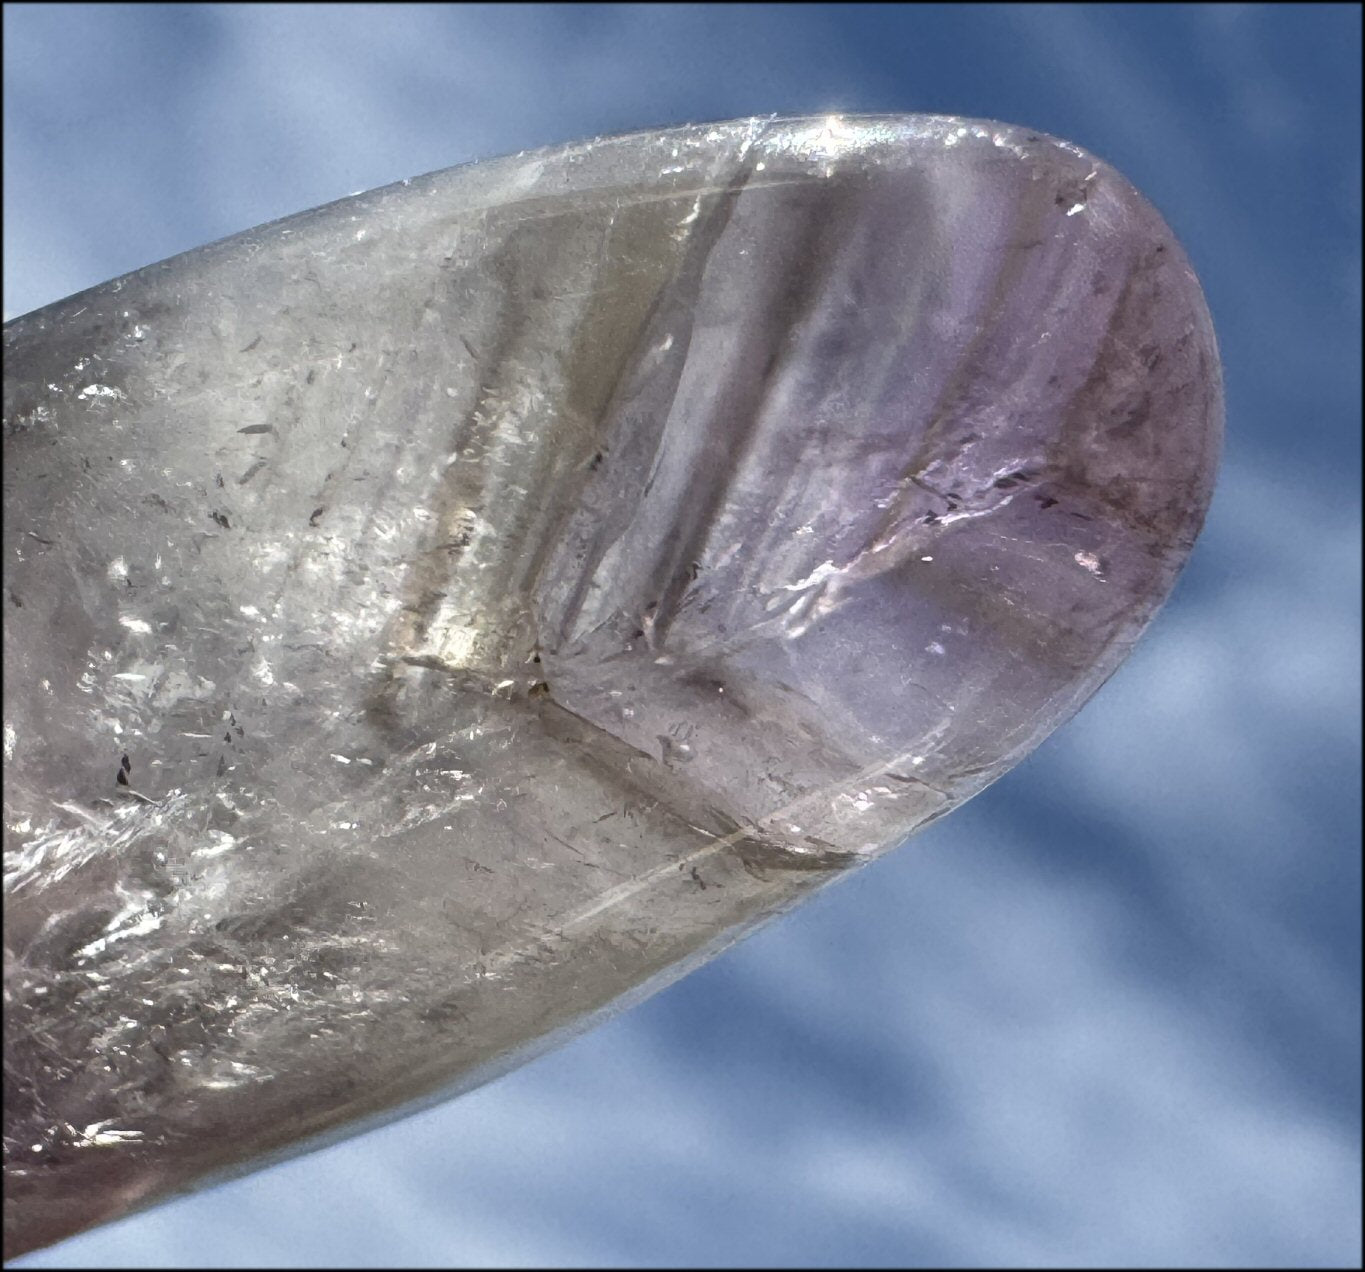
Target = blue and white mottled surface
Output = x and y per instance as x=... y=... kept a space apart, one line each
x=1109 y=1013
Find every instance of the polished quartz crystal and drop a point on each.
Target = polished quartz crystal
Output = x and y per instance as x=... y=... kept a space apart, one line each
x=442 y=617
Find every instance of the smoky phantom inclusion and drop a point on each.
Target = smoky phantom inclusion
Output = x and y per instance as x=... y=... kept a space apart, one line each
x=445 y=616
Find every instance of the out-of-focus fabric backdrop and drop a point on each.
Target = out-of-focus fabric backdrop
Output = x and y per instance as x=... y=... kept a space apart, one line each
x=1108 y=1013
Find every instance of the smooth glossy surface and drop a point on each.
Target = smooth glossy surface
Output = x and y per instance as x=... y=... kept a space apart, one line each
x=443 y=616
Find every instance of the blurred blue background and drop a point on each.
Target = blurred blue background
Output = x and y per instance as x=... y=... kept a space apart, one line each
x=1108 y=1013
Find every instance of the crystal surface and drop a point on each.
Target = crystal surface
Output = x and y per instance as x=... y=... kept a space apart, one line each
x=445 y=616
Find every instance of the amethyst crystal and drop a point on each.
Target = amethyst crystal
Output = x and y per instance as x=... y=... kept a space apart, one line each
x=442 y=617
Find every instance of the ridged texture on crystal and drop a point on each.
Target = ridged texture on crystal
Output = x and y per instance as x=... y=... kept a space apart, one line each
x=441 y=616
